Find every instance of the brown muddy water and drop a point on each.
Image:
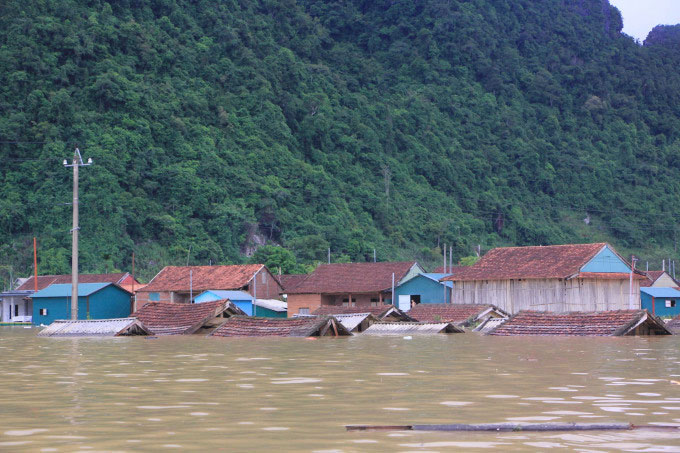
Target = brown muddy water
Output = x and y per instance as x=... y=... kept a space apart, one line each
x=297 y=395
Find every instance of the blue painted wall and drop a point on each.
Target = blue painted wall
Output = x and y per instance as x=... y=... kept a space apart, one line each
x=659 y=308
x=430 y=291
x=109 y=302
x=606 y=261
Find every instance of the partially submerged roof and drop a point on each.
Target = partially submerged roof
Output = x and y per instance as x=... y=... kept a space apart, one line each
x=539 y=262
x=95 y=328
x=167 y=318
x=489 y=324
x=356 y=321
x=46 y=280
x=459 y=314
x=661 y=292
x=290 y=281
x=202 y=278
x=65 y=289
x=408 y=328
x=381 y=312
x=346 y=278
x=606 y=323
x=240 y=326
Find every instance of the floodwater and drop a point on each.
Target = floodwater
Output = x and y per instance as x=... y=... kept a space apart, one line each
x=245 y=395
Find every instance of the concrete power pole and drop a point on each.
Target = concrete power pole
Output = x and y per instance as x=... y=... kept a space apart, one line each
x=77 y=162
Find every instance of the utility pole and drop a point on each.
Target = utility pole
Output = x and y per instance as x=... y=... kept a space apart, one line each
x=77 y=162
x=631 y=305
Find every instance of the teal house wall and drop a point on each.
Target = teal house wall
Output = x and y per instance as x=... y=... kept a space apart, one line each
x=95 y=301
x=427 y=286
x=606 y=261
x=654 y=300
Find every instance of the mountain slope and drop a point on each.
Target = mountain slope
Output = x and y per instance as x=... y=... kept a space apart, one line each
x=313 y=124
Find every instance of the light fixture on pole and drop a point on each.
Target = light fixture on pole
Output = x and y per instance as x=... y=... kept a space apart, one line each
x=77 y=162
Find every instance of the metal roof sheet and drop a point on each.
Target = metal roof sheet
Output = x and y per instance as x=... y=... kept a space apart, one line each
x=272 y=304
x=229 y=294
x=402 y=328
x=352 y=320
x=94 y=328
x=64 y=290
x=660 y=291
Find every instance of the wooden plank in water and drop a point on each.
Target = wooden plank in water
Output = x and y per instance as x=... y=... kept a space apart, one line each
x=501 y=427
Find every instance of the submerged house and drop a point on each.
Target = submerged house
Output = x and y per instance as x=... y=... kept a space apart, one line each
x=268 y=308
x=178 y=284
x=349 y=285
x=95 y=301
x=240 y=326
x=425 y=288
x=555 y=278
x=95 y=328
x=409 y=328
x=167 y=318
x=609 y=323
x=387 y=313
x=458 y=314
x=17 y=305
x=661 y=301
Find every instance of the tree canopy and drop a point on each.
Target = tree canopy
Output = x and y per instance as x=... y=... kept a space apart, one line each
x=394 y=126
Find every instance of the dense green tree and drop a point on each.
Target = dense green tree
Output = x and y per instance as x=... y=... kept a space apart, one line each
x=393 y=126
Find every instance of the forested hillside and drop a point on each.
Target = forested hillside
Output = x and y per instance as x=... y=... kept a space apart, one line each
x=217 y=126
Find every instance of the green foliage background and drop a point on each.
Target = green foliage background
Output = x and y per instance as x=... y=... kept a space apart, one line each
x=356 y=125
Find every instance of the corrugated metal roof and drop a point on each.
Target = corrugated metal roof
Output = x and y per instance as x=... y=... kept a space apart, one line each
x=489 y=324
x=404 y=328
x=351 y=321
x=64 y=290
x=272 y=304
x=94 y=328
x=438 y=276
x=660 y=291
x=231 y=295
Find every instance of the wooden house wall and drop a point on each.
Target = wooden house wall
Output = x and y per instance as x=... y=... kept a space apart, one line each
x=554 y=295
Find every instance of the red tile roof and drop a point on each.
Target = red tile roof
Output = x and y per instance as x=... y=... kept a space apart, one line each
x=455 y=313
x=46 y=280
x=379 y=311
x=612 y=275
x=290 y=281
x=344 y=278
x=551 y=261
x=608 y=323
x=178 y=278
x=240 y=326
x=653 y=276
x=167 y=318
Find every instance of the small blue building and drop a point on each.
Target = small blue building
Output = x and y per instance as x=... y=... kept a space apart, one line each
x=423 y=289
x=95 y=301
x=263 y=307
x=661 y=301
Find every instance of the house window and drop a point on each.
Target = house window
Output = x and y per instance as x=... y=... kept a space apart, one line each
x=154 y=297
x=43 y=312
x=16 y=310
x=303 y=311
x=670 y=303
x=10 y=311
x=374 y=299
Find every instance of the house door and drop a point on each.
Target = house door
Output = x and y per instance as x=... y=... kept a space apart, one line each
x=404 y=302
